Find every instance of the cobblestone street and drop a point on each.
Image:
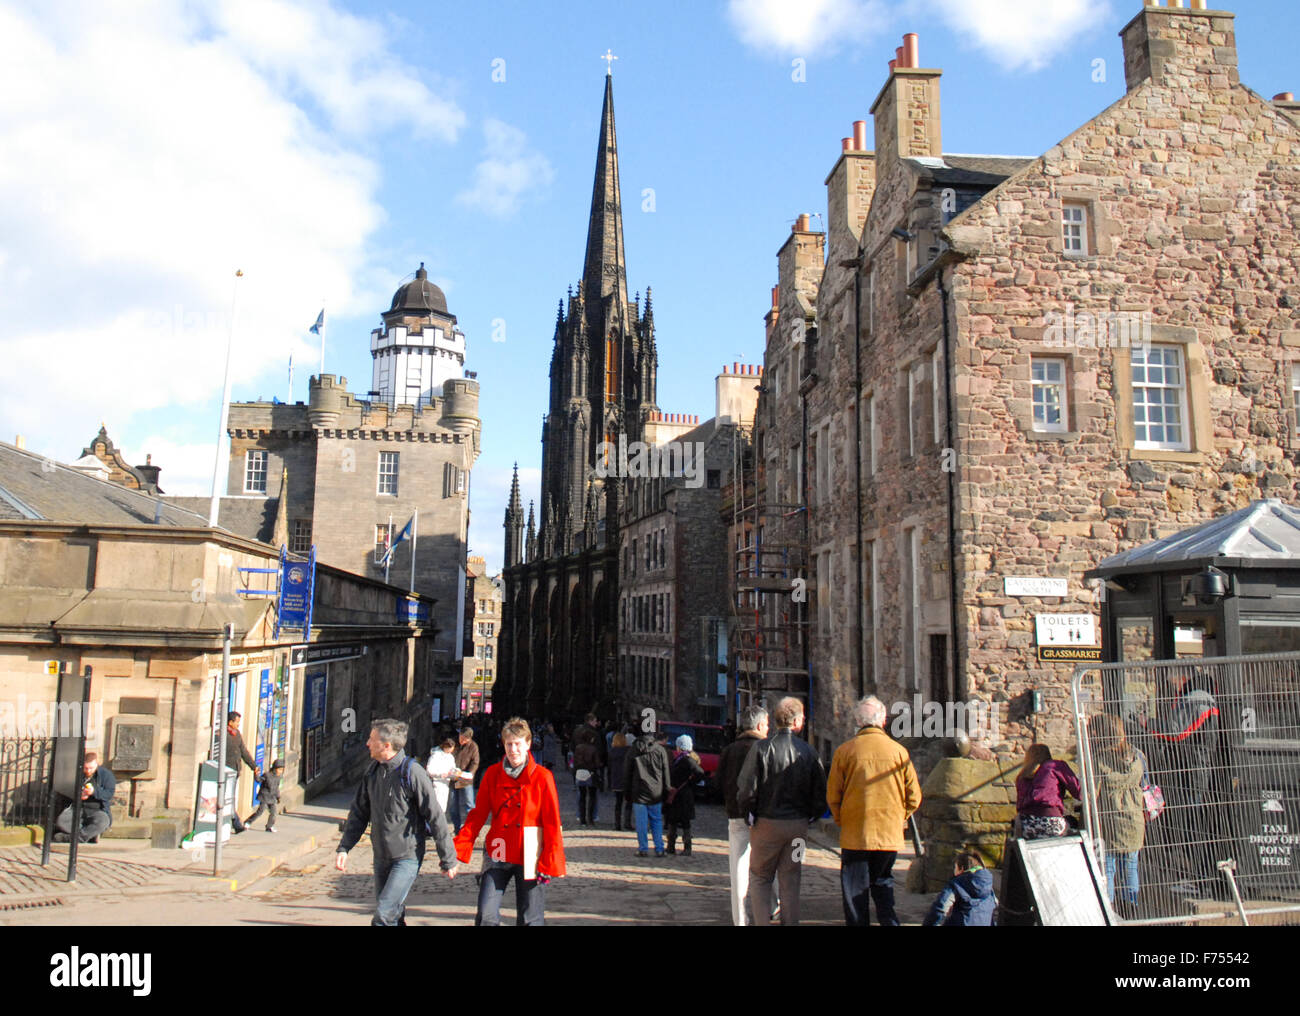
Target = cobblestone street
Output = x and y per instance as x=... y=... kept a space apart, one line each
x=606 y=883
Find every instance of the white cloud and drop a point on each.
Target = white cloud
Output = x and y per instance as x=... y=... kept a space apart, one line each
x=150 y=149
x=1013 y=33
x=805 y=27
x=1022 y=33
x=507 y=173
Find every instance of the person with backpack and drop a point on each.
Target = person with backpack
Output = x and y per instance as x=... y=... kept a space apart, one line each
x=396 y=800
x=645 y=774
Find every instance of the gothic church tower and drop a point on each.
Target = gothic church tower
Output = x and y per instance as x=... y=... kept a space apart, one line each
x=603 y=368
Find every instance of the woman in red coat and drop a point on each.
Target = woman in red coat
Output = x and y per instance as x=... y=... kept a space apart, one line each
x=525 y=841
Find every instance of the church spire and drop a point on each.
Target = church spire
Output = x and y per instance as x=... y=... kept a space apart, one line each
x=604 y=272
x=514 y=524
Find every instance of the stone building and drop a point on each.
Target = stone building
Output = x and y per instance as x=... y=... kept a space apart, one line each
x=673 y=606
x=483 y=594
x=993 y=368
x=357 y=470
x=103 y=460
x=140 y=590
x=559 y=621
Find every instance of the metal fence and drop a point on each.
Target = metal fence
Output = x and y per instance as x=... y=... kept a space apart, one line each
x=24 y=779
x=1191 y=777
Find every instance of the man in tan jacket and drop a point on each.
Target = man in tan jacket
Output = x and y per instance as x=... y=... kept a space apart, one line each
x=872 y=791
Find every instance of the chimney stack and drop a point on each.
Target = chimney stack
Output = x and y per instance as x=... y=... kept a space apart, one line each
x=907 y=109
x=1185 y=48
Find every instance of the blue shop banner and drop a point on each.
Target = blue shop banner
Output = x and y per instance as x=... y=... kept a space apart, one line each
x=314 y=700
x=295 y=594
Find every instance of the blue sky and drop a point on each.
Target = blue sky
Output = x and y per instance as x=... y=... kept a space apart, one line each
x=327 y=148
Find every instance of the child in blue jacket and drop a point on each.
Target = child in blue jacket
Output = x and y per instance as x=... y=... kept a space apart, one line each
x=968 y=899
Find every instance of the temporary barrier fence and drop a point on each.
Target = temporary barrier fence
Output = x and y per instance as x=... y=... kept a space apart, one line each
x=1191 y=776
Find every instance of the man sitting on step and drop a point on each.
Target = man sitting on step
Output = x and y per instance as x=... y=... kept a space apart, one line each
x=96 y=803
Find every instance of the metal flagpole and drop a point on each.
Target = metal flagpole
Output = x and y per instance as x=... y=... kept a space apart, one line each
x=415 y=530
x=388 y=557
x=225 y=403
x=291 y=379
x=227 y=634
x=323 y=325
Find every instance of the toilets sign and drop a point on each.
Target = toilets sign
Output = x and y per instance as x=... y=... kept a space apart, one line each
x=1066 y=629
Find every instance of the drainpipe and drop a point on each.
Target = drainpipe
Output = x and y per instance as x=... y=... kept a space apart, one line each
x=959 y=692
x=858 y=660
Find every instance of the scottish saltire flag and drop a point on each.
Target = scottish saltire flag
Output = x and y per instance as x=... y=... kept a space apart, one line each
x=320 y=322
x=405 y=534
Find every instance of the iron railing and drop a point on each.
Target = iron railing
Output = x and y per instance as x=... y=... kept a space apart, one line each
x=24 y=779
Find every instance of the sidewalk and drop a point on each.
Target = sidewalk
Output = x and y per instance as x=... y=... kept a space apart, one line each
x=133 y=867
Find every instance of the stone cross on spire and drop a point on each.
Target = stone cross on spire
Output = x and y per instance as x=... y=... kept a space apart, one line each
x=609 y=59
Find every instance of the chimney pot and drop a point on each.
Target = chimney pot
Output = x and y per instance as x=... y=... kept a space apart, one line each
x=846 y=144
x=801 y=224
x=775 y=300
x=1198 y=5
x=892 y=65
x=1284 y=97
x=900 y=58
x=912 y=49
x=20 y=442
x=860 y=135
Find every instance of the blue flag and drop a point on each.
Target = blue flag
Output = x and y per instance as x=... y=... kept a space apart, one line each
x=405 y=534
x=320 y=322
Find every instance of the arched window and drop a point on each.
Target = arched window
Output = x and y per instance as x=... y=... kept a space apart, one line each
x=611 y=366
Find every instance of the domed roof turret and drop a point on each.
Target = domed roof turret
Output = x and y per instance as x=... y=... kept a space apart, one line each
x=419 y=296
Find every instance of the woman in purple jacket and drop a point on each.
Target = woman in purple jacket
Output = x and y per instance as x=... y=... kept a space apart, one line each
x=1040 y=787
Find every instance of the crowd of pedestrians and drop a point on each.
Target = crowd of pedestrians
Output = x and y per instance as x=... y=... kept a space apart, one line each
x=772 y=785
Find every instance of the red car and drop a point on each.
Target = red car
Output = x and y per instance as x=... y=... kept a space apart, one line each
x=708 y=741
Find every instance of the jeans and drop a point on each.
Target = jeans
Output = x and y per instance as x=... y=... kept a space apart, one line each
x=587 y=797
x=93 y=822
x=622 y=810
x=651 y=815
x=271 y=808
x=393 y=881
x=868 y=870
x=776 y=850
x=1127 y=863
x=738 y=861
x=530 y=897
x=462 y=803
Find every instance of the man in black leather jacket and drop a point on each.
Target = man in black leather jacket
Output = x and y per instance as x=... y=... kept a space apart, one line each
x=783 y=786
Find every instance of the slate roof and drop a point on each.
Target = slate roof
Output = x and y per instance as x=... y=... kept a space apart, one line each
x=253 y=517
x=1265 y=533
x=34 y=487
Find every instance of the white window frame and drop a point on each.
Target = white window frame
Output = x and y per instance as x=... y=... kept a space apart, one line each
x=381 y=548
x=255 y=466
x=1074 y=228
x=1062 y=425
x=913 y=373
x=1295 y=395
x=936 y=396
x=1185 y=422
x=386 y=482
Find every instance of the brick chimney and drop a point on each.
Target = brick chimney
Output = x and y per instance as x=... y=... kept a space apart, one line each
x=1187 y=48
x=800 y=262
x=906 y=111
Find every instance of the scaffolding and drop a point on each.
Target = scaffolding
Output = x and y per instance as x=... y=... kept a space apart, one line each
x=769 y=643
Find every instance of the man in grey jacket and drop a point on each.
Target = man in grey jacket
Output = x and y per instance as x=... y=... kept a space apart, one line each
x=396 y=800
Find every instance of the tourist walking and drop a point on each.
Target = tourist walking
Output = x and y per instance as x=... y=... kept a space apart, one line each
x=525 y=841
x=618 y=782
x=782 y=784
x=872 y=791
x=645 y=774
x=753 y=728
x=462 y=788
x=395 y=799
x=679 y=807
